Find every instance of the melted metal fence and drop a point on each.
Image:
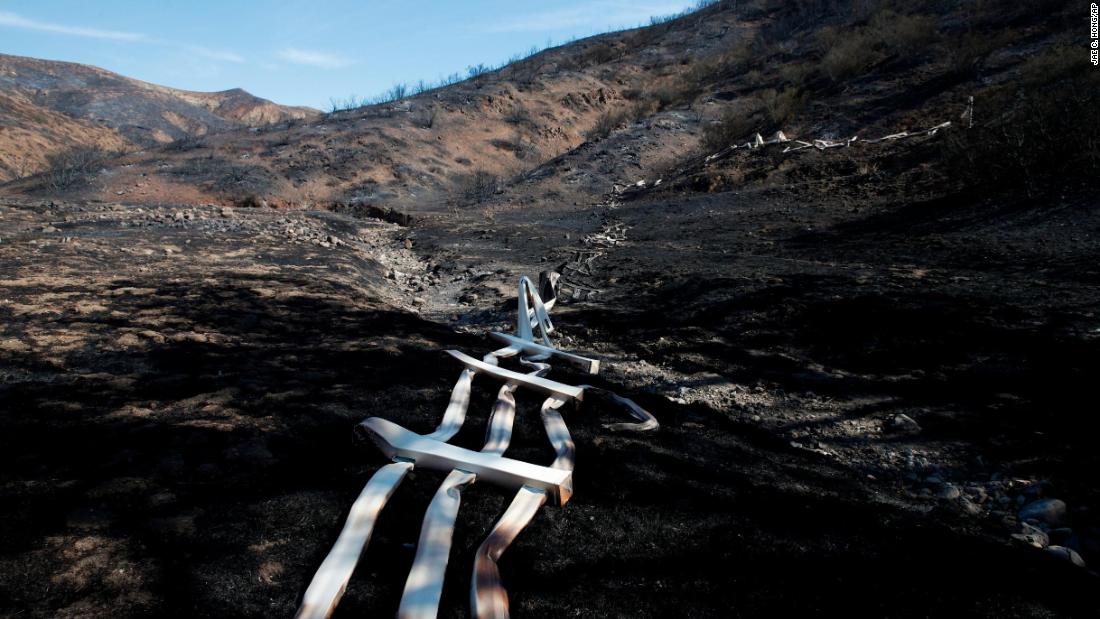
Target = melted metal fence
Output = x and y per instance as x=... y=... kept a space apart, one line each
x=534 y=484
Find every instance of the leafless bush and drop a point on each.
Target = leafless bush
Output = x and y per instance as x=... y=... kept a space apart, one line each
x=965 y=53
x=734 y=125
x=850 y=51
x=350 y=102
x=598 y=53
x=608 y=122
x=425 y=117
x=657 y=20
x=240 y=179
x=397 y=92
x=186 y=143
x=1028 y=136
x=781 y=105
x=478 y=186
x=902 y=35
x=611 y=120
x=72 y=167
x=477 y=73
x=517 y=145
x=518 y=115
x=846 y=56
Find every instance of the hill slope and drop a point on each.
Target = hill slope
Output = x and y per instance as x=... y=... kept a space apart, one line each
x=48 y=106
x=419 y=150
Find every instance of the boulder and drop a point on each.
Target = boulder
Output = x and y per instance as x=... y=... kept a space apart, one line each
x=1051 y=512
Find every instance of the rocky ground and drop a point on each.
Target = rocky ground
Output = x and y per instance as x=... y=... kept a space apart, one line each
x=872 y=365
x=853 y=419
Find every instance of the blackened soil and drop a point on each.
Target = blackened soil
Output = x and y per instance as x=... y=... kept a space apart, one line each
x=176 y=425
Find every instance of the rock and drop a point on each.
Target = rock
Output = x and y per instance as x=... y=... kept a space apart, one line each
x=1032 y=536
x=1037 y=490
x=904 y=423
x=950 y=492
x=162 y=498
x=1066 y=554
x=1048 y=511
x=970 y=507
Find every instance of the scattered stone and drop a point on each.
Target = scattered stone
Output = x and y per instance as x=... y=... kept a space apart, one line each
x=970 y=507
x=1032 y=536
x=904 y=423
x=950 y=492
x=162 y=498
x=1051 y=512
x=128 y=340
x=1066 y=554
x=1037 y=490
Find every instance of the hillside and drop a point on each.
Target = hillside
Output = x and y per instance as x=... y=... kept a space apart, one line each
x=846 y=252
x=47 y=107
x=421 y=149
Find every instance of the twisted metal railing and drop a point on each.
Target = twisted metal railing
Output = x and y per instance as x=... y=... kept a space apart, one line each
x=535 y=484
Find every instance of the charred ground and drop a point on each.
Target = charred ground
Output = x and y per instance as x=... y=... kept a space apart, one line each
x=180 y=379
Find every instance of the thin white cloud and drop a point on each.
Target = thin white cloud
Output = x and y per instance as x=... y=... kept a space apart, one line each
x=312 y=58
x=596 y=15
x=17 y=21
x=215 y=54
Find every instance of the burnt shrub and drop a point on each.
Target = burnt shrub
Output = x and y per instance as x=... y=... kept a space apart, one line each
x=611 y=120
x=185 y=143
x=477 y=186
x=733 y=126
x=72 y=167
x=606 y=123
x=780 y=106
x=1036 y=135
x=851 y=51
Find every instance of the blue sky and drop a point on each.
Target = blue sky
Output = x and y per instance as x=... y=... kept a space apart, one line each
x=301 y=52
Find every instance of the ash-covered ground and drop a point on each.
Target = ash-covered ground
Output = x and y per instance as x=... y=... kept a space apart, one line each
x=856 y=402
